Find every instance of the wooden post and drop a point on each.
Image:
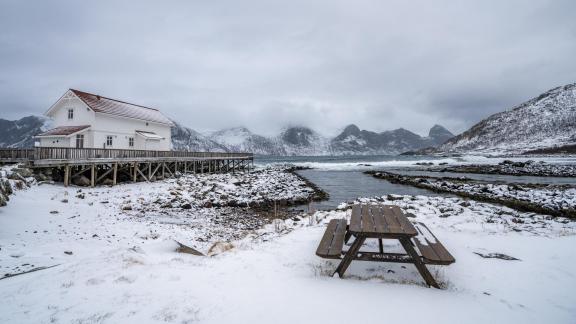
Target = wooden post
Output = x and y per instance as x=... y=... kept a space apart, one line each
x=194 y=167
x=114 y=173
x=149 y=171
x=163 y=170
x=135 y=171
x=66 y=175
x=92 y=175
x=185 y=167
x=202 y=167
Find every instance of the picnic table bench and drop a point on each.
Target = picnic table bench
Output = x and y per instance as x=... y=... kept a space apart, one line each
x=383 y=222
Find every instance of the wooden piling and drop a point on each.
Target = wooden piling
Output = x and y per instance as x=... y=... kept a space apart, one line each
x=92 y=175
x=115 y=174
x=66 y=175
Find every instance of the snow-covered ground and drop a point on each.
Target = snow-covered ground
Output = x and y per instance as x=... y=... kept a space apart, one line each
x=119 y=266
x=507 y=167
x=553 y=199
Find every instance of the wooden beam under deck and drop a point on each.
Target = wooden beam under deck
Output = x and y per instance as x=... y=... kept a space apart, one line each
x=132 y=165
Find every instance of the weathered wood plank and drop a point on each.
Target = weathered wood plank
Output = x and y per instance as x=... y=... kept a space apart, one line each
x=330 y=246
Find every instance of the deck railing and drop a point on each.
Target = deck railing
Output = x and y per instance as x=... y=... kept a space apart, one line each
x=11 y=154
x=67 y=153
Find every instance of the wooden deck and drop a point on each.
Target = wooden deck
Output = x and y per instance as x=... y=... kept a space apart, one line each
x=141 y=165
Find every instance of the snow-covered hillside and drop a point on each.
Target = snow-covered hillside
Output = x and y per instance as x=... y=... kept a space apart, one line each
x=186 y=139
x=353 y=141
x=546 y=121
x=20 y=133
x=240 y=139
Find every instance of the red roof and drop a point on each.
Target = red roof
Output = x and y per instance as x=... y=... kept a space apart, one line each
x=64 y=130
x=115 y=107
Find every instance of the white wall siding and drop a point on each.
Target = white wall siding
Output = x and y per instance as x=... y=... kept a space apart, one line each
x=54 y=141
x=82 y=114
x=123 y=128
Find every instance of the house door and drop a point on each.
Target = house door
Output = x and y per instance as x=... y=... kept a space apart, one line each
x=80 y=141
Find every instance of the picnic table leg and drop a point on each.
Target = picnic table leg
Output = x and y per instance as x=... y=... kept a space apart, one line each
x=347 y=236
x=418 y=263
x=381 y=245
x=349 y=256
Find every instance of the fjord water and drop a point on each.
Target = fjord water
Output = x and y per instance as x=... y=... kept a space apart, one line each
x=343 y=178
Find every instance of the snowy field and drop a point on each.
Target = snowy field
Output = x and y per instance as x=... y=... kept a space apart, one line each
x=118 y=265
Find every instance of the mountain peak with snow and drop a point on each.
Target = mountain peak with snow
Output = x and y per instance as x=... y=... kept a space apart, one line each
x=546 y=121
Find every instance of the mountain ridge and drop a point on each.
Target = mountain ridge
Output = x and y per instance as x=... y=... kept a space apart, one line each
x=291 y=141
x=543 y=122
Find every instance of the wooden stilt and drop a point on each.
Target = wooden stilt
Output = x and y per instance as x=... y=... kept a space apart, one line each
x=66 y=175
x=135 y=176
x=93 y=175
x=115 y=174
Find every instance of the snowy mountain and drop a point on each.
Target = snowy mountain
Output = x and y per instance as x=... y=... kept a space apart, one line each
x=20 y=133
x=546 y=121
x=352 y=140
x=240 y=139
x=305 y=141
x=291 y=141
x=186 y=139
x=302 y=141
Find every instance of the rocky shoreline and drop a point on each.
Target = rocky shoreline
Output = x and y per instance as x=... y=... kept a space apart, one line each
x=13 y=178
x=508 y=167
x=555 y=200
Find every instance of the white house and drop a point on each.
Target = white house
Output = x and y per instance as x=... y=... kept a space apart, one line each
x=85 y=120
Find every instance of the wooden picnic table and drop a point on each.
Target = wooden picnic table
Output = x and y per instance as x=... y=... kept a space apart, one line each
x=383 y=222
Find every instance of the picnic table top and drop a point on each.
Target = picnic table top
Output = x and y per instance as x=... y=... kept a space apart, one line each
x=380 y=221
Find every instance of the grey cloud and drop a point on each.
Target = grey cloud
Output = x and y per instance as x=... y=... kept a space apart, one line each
x=268 y=64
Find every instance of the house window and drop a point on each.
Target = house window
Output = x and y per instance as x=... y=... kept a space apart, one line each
x=108 y=140
x=80 y=141
x=70 y=113
x=131 y=141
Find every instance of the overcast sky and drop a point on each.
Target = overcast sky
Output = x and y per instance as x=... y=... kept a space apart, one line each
x=267 y=64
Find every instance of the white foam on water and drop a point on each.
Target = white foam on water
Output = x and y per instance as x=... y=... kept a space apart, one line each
x=368 y=164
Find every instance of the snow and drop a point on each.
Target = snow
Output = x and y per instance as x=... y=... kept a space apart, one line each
x=402 y=162
x=123 y=268
x=555 y=199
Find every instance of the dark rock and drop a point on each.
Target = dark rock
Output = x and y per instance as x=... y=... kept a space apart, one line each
x=107 y=182
x=24 y=172
x=465 y=204
x=81 y=181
